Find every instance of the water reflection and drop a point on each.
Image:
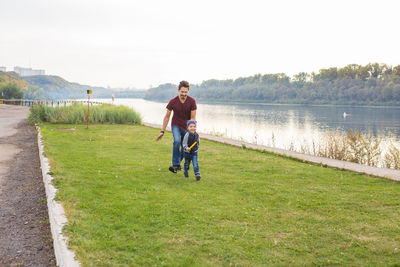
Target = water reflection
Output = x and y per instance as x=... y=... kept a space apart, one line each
x=281 y=125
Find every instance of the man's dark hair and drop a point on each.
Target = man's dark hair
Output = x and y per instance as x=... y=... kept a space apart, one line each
x=183 y=84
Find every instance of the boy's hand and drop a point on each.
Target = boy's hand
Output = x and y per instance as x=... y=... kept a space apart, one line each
x=187 y=149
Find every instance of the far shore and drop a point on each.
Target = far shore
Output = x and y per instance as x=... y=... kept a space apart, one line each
x=236 y=102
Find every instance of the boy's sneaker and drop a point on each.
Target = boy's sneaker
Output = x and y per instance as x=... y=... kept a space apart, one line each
x=172 y=169
x=186 y=173
x=178 y=168
x=198 y=177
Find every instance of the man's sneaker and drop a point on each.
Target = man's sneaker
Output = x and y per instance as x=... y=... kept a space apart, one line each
x=198 y=177
x=178 y=168
x=172 y=169
x=186 y=173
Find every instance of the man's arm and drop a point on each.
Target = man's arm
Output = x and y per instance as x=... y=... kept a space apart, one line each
x=165 y=123
x=166 y=120
x=193 y=115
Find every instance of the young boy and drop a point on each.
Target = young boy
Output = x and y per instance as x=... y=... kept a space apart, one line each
x=190 y=145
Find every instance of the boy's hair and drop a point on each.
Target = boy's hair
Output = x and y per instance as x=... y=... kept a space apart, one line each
x=191 y=122
x=183 y=84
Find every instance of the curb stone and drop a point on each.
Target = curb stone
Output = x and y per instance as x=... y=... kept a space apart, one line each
x=64 y=256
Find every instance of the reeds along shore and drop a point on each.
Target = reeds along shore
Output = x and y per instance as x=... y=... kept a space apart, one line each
x=77 y=114
x=352 y=146
x=356 y=147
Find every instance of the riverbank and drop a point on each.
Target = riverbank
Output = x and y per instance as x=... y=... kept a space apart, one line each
x=390 y=174
x=250 y=208
x=255 y=102
x=305 y=104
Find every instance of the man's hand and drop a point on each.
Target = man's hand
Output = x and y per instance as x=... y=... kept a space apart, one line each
x=188 y=149
x=159 y=136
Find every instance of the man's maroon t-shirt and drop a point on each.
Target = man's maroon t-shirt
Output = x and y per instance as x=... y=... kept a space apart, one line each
x=181 y=111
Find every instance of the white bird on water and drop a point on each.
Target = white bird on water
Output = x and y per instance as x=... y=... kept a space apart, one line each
x=345 y=114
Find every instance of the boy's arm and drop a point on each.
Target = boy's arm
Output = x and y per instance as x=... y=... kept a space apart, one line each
x=185 y=141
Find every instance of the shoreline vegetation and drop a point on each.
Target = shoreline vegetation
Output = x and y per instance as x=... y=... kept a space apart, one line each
x=372 y=84
x=77 y=114
x=252 y=208
x=352 y=146
x=356 y=147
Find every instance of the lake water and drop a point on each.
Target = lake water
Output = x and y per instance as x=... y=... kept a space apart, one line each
x=282 y=126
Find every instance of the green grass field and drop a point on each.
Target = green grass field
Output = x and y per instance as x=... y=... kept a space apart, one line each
x=250 y=209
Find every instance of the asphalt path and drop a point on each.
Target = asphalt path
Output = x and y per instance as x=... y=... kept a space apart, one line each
x=25 y=237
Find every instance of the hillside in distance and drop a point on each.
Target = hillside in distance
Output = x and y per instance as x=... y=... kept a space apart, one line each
x=372 y=84
x=55 y=87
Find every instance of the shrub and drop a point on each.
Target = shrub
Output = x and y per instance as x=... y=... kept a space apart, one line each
x=11 y=91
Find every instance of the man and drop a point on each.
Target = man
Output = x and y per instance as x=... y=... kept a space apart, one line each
x=184 y=108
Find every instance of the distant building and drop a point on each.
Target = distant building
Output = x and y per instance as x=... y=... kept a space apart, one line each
x=3 y=69
x=28 y=71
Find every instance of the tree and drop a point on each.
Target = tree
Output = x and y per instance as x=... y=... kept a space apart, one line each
x=301 y=78
x=350 y=71
x=328 y=74
x=396 y=71
x=34 y=92
x=11 y=91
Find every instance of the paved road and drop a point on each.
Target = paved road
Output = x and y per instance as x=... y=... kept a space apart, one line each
x=25 y=238
x=10 y=117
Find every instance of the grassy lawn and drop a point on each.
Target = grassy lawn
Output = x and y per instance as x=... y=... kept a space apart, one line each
x=250 y=209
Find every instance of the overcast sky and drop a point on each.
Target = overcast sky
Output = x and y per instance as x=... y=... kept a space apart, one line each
x=141 y=43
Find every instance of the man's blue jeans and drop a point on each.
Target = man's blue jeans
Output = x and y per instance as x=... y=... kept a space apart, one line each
x=177 y=149
x=191 y=157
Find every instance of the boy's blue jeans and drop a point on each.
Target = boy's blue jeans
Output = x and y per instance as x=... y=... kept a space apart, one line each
x=177 y=149
x=191 y=157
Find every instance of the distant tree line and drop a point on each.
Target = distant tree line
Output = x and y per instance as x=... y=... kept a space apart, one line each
x=371 y=84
